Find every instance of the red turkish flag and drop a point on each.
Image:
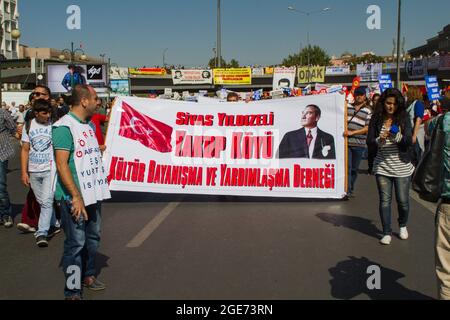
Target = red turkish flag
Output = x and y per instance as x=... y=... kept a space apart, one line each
x=149 y=132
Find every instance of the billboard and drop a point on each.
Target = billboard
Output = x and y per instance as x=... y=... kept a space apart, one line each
x=369 y=72
x=183 y=76
x=284 y=78
x=416 y=69
x=61 y=78
x=120 y=87
x=342 y=70
x=118 y=73
x=147 y=71
x=311 y=74
x=233 y=76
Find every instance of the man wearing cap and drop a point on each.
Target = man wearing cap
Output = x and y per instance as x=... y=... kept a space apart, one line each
x=359 y=115
x=72 y=78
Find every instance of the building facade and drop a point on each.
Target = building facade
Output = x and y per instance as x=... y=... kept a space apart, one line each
x=439 y=44
x=9 y=17
x=26 y=52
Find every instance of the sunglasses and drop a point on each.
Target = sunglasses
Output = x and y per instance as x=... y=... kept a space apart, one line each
x=38 y=94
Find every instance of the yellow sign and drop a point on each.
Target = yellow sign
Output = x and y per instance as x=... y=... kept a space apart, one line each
x=147 y=71
x=233 y=76
x=268 y=70
x=311 y=74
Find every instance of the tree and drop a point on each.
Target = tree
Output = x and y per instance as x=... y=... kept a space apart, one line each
x=368 y=58
x=317 y=56
x=347 y=54
x=212 y=63
x=233 y=63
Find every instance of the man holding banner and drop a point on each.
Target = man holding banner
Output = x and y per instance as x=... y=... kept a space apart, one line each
x=81 y=187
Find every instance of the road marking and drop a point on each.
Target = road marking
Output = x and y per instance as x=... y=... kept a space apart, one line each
x=428 y=205
x=148 y=230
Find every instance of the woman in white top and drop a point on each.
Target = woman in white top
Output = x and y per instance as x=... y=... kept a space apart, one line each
x=390 y=133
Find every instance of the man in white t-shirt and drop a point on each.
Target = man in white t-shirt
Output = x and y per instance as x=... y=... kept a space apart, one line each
x=38 y=168
x=21 y=115
x=14 y=111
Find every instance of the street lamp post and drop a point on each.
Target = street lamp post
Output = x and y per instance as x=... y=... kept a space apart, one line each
x=15 y=34
x=164 y=57
x=219 y=36
x=308 y=14
x=399 y=25
x=72 y=53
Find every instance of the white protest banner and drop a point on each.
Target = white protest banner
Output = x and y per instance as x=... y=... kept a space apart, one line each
x=118 y=73
x=333 y=71
x=284 y=78
x=192 y=77
x=219 y=148
x=321 y=87
x=257 y=71
x=168 y=92
x=369 y=72
x=416 y=69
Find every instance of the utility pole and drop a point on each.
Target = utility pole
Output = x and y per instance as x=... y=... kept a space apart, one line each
x=109 y=79
x=397 y=84
x=219 y=36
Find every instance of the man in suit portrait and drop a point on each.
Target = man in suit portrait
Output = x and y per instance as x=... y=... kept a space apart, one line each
x=308 y=142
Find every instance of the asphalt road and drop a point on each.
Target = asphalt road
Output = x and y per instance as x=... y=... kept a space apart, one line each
x=158 y=247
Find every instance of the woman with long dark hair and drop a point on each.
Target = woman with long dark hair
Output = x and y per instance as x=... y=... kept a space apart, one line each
x=390 y=133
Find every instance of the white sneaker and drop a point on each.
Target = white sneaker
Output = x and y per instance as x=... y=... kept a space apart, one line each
x=26 y=228
x=386 y=240
x=404 y=233
x=8 y=222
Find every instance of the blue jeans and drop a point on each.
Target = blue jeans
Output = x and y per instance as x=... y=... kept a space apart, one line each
x=81 y=244
x=355 y=155
x=385 y=185
x=5 y=204
x=41 y=183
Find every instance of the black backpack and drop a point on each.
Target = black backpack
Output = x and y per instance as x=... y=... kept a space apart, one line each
x=428 y=179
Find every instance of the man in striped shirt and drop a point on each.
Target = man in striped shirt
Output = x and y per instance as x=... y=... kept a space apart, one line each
x=359 y=115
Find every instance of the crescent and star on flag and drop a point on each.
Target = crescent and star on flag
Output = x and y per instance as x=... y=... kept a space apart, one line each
x=134 y=124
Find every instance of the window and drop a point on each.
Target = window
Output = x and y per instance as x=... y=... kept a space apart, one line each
x=13 y=8
x=8 y=26
x=8 y=45
x=7 y=7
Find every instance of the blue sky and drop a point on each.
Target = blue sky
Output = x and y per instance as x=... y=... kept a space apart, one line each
x=135 y=32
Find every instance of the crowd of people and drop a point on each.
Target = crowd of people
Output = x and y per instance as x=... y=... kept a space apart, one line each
x=397 y=129
x=392 y=129
x=48 y=129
